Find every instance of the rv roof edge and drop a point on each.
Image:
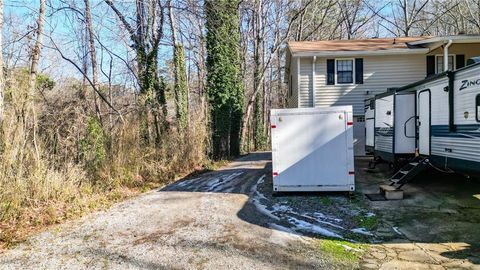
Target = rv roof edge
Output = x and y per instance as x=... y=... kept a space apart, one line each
x=428 y=79
x=473 y=60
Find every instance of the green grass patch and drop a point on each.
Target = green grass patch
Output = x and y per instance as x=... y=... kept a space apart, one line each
x=327 y=201
x=342 y=251
x=367 y=222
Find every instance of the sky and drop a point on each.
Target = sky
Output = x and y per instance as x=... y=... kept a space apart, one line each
x=63 y=28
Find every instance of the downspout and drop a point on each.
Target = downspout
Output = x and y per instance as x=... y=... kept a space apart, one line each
x=445 y=55
x=451 y=79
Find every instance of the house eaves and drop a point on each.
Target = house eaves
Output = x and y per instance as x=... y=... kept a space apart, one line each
x=434 y=41
x=361 y=53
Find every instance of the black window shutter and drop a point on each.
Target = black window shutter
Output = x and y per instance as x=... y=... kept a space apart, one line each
x=330 y=71
x=460 y=61
x=359 y=70
x=430 y=65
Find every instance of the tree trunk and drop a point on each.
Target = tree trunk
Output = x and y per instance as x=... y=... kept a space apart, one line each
x=93 y=56
x=180 y=76
x=33 y=73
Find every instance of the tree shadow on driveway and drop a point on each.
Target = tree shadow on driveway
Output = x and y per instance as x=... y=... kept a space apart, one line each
x=438 y=209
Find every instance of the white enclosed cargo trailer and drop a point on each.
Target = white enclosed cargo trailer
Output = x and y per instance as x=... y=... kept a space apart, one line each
x=312 y=149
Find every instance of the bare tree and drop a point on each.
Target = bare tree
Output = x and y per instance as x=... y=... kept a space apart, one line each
x=405 y=15
x=278 y=38
x=355 y=15
x=93 y=54
x=35 y=57
x=146 y=36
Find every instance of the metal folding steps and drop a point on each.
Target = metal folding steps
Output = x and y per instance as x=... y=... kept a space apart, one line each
x=408 y=172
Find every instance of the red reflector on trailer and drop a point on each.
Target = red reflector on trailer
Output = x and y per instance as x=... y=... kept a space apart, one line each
x=275 y=174
x=274 y=126
x=349 y=123
x=351 y=173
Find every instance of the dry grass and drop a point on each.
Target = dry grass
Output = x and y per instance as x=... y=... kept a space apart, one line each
x=79 y=169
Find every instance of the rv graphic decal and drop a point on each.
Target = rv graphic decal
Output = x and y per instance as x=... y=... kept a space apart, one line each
x=384 y=131
x=468 y=83
x=463 y=131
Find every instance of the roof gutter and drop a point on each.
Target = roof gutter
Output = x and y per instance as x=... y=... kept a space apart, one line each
x=359 y=53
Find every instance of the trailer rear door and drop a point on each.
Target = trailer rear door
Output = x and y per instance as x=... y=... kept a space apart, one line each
x=311 y=148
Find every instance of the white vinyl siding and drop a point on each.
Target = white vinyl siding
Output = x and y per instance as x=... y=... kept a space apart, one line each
x=306 y=83
x=379 y=73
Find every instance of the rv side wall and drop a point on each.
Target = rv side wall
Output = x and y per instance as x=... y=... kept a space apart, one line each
x=459 y=149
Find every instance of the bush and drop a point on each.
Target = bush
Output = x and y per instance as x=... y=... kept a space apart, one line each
x=92 y=146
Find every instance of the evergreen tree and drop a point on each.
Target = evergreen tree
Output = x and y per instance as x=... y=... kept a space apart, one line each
x=181 y=87
x=224 y=87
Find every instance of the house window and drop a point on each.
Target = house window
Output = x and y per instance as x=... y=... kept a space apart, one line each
x=477 y=105
x=344 y=71
x=439 y=62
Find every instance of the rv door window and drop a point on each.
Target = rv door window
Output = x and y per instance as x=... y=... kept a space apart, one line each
x=477 y=104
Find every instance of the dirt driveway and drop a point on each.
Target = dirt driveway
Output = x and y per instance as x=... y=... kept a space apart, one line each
x=208 y=222
x=228 y=219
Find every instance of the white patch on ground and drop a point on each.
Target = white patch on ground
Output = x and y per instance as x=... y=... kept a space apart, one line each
x=281 y=207
x=217 y=183
x=395 y=229
x=319 y=215
x=370 y=214
x=186 y=182
x=306 y=226
x=257 y=196
x=282 y=235
x=283 y=211
x=347 y=248
x=362 y=231
x=319 y=220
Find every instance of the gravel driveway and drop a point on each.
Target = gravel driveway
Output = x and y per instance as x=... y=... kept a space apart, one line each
x=214 y=221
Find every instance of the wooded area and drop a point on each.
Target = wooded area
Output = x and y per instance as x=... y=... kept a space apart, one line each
x=97 y=97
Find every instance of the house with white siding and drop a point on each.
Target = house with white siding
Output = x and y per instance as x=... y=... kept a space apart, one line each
x=347 y=72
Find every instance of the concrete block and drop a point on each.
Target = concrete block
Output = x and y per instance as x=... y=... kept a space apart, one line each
x=391 y=193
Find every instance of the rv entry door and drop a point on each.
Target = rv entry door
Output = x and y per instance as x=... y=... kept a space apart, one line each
x=424 y=122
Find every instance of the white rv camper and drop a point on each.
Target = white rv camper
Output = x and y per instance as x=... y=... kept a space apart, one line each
x=312 y=149
x=448 y=118
x=370 y=126
x=394 y=125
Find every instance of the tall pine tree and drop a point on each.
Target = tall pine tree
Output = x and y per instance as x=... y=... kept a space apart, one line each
x=224 y=85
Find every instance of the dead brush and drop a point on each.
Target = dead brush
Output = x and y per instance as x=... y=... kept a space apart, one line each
x=133 y=164
x=83 y=163
x=28 y=182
